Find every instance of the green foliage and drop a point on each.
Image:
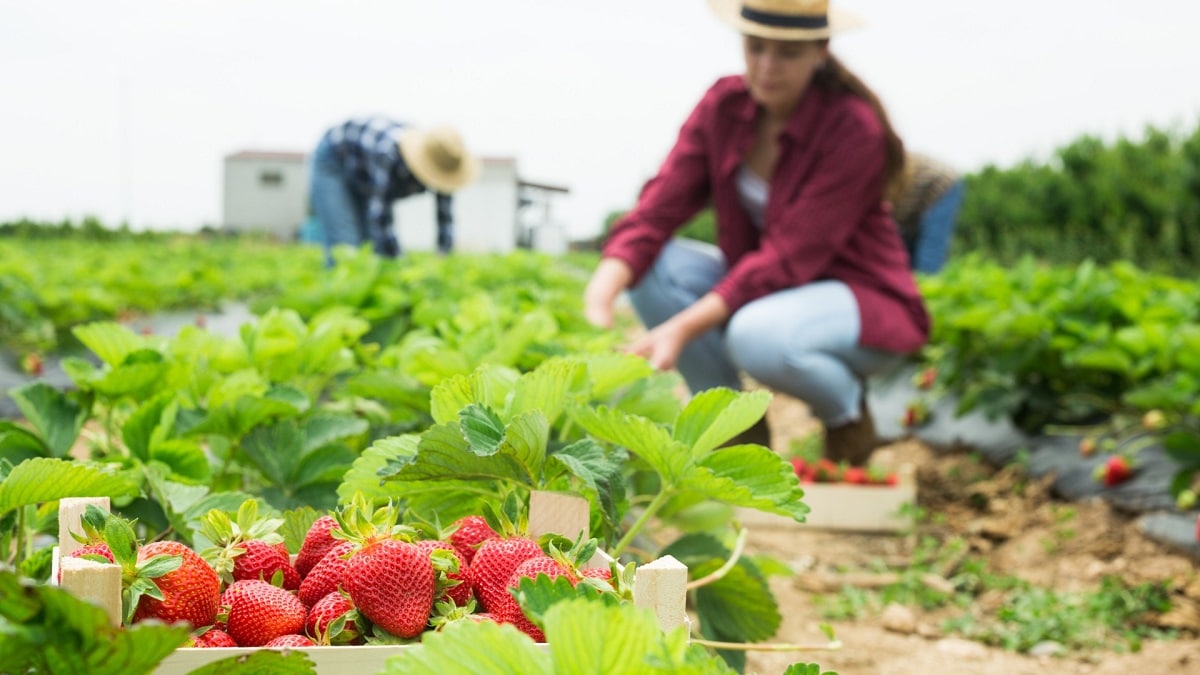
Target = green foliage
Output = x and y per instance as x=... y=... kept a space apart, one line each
x=585 y=634
x=1069 y=345
x=1132 y=199
x=47 y=630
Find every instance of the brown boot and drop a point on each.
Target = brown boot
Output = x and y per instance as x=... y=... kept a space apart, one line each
x=852 y=442
x=760 y=433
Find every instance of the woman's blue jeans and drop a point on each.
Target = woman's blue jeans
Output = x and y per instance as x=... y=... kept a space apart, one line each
x=341 y=215
x=801 y=341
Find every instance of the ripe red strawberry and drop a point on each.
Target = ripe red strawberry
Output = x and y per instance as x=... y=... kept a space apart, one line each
x=326 y=576
x=470 y=533
x=494 y=564
x=509 y=611
x=98 y=549
x=256 y=559
x=1115 y=471
x=392 y=583
x=459 y=593
x=855 y=475
x=317 y=542
x=191 y=593
x=213 y=637
x=260 y=612
x=1198 y=529
x=601 y=573
x=926 y=378
x=291 y=641
x=321 y=623
x=827 y=471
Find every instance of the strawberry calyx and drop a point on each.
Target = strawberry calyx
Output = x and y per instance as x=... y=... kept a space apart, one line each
x=511 y=519
x=446 y=613
x=360 y=523
x=229 y=536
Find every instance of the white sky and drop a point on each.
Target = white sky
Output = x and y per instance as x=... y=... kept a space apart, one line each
x=124 y=110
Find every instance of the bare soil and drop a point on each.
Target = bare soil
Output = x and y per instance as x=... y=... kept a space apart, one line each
x=1016 y=525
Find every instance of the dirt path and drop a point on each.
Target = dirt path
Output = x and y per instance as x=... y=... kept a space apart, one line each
x=1016 y=527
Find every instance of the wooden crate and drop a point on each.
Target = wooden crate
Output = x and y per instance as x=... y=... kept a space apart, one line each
x=660 y=586
x=842 y=506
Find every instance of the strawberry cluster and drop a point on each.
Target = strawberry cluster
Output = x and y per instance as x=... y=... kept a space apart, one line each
x=359 y=576
x=826 y=471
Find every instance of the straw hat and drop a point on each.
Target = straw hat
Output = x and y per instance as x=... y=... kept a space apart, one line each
x=784 y=19
x=437 y=158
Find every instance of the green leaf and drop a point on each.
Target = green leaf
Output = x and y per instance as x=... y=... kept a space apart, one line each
x=261 y=662
x=110 y=341
x=18 y=444
x=487 y=385
x=489 y=649
x=586 y=460
x=512 y=343
x=1099 y=358
x=324 y=465
x=296 y=524
x=56 y=418
x=610 y=372
x=591 y=637
x=46 y=479
x=146 y=425
x=275 y=450
x=716 y=415
x=670 y=458
x=326 y=429
x=483 y=429
x=547 y=389
x=185 y=458
x=443 y=455
x=384 y=457
x=749 y=475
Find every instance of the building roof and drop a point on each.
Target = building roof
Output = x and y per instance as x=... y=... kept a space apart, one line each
x=543 y=186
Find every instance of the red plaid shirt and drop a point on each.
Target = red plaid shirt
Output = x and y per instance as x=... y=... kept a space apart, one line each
x=825 y=217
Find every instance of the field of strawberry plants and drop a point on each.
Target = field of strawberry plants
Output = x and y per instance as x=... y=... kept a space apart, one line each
x=395 y=401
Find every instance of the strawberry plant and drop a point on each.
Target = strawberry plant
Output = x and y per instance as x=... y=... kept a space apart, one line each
x=44 y=629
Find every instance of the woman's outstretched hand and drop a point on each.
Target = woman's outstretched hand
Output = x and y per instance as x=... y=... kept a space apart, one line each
x=610 y=278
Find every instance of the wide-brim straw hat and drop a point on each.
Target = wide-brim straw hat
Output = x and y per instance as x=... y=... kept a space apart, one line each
x=785 y=19
x=438 y=158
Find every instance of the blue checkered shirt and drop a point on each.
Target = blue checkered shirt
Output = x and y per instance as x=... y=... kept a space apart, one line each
x=376 y=171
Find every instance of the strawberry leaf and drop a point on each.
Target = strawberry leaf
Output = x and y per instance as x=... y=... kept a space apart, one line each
x=261 y=662
x=45 y=479
x=646 y=439
x=490 y=648
x=46 y=629
x=716 y=415
x=546 y=390
x=751 y=476
x=483 y=429
x=55 y=417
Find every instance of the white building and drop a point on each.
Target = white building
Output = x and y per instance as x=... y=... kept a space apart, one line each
x=268 y=192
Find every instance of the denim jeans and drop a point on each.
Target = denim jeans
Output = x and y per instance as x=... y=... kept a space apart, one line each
x=341 y=215
x=801 y=341
x=928 y=253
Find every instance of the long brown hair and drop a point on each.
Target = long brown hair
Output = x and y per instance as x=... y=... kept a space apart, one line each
x=834 y=76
